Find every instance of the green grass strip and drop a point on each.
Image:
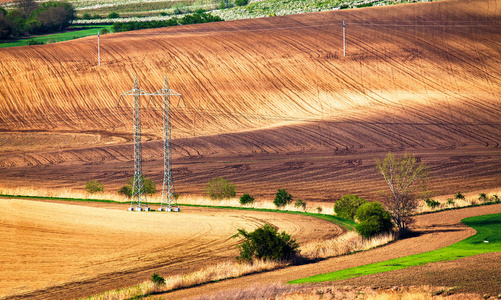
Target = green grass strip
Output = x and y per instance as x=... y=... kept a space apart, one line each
x=488 y=228
x=347 y=224
x=82 y=31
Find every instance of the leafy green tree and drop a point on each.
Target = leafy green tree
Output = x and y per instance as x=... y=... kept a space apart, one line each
x=125 y=190
x=347 y=206
x=406 y=179
x=282 y=198
x=128 y=190
x=373 y=219
x=241 y=2
x=220 y=188
x=53 y=16
x=246 y=198
x=113 y=15
x=266 y=243
x=94 y=186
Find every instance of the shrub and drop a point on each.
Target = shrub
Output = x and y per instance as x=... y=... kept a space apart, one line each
x=94 y=186
x=113 y=15
x=347 y=206
x=266 y=243
x=104 y=31
x=126 y=190
x=157 y=279
x=34 y=42
x=241 y=2
x=300 y=204
x=373 y=219
x=282 y=198
x=483 y=197
x=450 y=202
x=431 y=203
x=495 y=199
x=149 y=187
x=319 y=209
x=246 y=198
x=459 y=196
x=220 y=188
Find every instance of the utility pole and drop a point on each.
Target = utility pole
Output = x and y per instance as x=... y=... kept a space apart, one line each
x=138 y=199
x=344 y=39
x=168 y=201
x=98 y=50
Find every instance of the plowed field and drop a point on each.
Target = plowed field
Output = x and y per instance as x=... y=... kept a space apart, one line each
x=277 y=104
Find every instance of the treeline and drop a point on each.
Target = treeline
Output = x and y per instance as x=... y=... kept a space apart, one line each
x=30 y=17
x=188 y=19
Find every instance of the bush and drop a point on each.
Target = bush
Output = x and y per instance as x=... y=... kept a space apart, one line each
x=450 y=202
x=347 y=206
x=300 y=204
x=126 y=190
x=220 y=188
x=495 y=199
x=459 y=196
x=157 y=279
x=149 y=187
x=483 y=197
x=35 y=42
x=113 y=15
x=104 y=31
x=282 y=198
x=246 y=198
x=241 y=2
x=373 y=219
x=431 y=203
x=94 y=186
x=266 y=243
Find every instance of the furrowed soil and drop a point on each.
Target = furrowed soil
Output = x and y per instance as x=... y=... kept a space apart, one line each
x=271 y=103
x=62 y=251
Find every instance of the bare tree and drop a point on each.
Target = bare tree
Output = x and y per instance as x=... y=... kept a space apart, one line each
x=406 y=178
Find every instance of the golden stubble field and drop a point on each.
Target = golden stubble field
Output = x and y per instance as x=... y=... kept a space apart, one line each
x=78 y=250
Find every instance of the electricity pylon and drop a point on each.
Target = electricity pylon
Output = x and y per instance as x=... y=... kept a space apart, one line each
x=168 y=199
x=138 y=199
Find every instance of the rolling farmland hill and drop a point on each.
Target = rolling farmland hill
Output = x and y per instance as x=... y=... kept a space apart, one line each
x=277 y=104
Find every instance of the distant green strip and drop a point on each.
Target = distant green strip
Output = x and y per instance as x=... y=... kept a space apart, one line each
x=488 y=228
x=86 y=30
x=347 y=224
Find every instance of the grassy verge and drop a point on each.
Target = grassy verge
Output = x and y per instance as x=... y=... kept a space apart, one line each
x=77 y=32
x=487 y=239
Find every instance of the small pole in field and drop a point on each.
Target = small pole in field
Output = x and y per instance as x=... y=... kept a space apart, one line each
x=98 y=50
x=344 y=39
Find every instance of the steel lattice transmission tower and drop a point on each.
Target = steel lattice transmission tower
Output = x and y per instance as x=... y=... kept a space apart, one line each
x=168 y=199
x=138 y=199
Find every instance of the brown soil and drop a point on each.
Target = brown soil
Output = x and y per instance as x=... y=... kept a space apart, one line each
x=421 y=78
x=434 y=231
x=63 y=251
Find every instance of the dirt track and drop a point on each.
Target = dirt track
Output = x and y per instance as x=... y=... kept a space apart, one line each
x=435 y=231
x=66 y=251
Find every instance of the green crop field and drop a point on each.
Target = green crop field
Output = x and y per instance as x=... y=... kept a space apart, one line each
x=487 y=239
x=76 y=32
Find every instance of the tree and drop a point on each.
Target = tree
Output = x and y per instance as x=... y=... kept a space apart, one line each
x=94 y=186
x=53 y=16
x=373 y=219
x=149 y=187
x=347 y=206
x=241 y=2
x=246 y=198
x=27 y=7
x=220 y=188
x=300 y=204
x=267 y=244
x=113 y=15
x=406 y=179
x=282 y=198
